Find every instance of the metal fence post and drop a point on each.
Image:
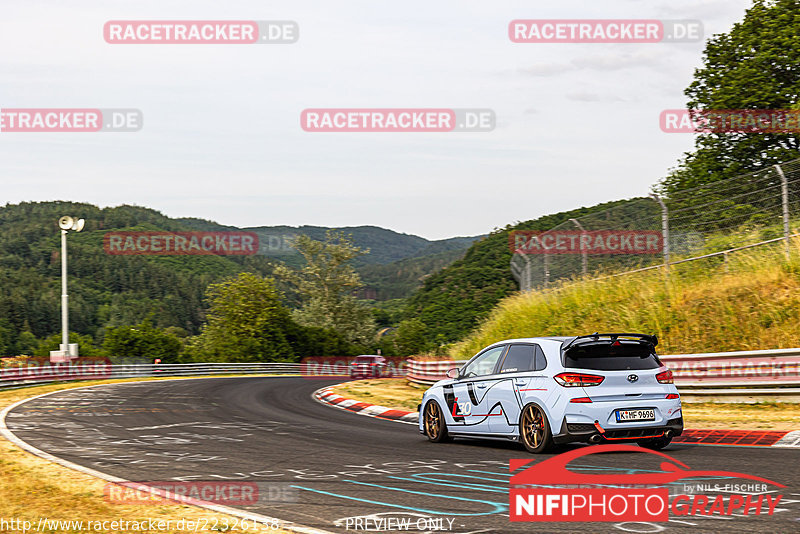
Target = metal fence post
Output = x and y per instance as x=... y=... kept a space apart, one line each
x=664 y=229
x=584 y=259
x=785 y=202
x=546 y=269
x=528 y=273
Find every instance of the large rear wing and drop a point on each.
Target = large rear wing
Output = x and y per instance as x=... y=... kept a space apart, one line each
x=592 y=338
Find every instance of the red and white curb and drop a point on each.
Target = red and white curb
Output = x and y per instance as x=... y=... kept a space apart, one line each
x=746 y=438
x=327 y=396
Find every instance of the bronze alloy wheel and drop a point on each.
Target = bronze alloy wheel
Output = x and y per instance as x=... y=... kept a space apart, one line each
x=435 y=427
x=534 y=430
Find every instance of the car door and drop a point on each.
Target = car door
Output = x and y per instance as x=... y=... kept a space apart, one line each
x=521 y=378
x=468 y=403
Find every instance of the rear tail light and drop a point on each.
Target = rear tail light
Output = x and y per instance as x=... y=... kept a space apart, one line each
x=574 y=380
x=664 y=377
x=581 y=400
x=673 y=396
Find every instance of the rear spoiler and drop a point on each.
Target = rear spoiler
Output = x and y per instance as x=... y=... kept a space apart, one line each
x=652 y=340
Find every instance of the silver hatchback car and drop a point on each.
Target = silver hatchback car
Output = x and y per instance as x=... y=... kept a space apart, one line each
x=539 y=391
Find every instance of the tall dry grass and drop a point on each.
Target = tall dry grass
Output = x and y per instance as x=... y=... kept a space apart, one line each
x=750 y=302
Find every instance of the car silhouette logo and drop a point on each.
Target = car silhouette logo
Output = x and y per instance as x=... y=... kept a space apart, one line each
x=633 y=378
x=554 y=471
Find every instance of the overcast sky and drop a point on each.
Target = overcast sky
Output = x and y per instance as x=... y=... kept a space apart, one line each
x=577 y=124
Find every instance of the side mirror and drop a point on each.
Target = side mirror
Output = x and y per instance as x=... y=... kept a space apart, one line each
x=452 y=373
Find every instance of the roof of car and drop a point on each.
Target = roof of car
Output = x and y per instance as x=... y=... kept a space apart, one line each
x=548 y=340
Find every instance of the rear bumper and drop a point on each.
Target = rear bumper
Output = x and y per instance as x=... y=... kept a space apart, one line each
x=594 y=433
x=366 y=371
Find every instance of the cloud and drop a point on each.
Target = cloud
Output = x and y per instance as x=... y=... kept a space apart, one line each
x=599 y=63
x=593 y=97
x=546 y=69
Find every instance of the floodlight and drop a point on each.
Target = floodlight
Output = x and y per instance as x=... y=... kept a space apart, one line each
x=66 y=222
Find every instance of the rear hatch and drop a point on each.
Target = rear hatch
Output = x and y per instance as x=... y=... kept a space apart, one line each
x=364 y=363
x=628 y=366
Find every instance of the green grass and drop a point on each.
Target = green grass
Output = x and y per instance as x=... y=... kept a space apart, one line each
x=752 y=302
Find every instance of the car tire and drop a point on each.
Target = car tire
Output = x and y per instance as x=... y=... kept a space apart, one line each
x=655 y=443
x=434 y=424
x=534 y=429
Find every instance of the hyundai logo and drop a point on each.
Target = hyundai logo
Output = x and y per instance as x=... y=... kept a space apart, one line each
x=632 y=378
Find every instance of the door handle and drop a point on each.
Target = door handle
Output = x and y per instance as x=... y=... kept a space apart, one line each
x=481 y=386
x=521 y=382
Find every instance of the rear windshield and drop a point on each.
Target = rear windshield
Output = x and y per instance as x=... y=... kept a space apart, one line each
x=365 y=359
x=621 y=356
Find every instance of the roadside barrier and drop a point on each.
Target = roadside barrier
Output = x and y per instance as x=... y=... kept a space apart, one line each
x=773 y=372
x=21 y=376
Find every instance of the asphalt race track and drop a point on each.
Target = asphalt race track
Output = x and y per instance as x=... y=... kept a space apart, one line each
x=316 y=466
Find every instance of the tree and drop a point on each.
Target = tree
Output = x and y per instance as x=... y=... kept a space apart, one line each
x=246 y=323
x=86 y=345
x=326 y=285
x=411 y=337
x=754 y=66
x=142 y=340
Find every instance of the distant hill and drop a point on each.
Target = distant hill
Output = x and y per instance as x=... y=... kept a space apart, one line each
x=386 y=246
x=454 y=300
x=399 y=279
x=107 y=290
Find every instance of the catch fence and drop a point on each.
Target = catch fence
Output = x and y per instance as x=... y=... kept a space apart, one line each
x=710 y=220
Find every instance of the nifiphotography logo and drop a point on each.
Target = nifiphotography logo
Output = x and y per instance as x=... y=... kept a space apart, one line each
x=548 y=491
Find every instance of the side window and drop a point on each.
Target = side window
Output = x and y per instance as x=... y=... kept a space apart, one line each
x=541 y=361
x=483 y=364
x=520 y=358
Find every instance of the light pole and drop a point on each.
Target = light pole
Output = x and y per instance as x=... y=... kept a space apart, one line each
x=66 y=351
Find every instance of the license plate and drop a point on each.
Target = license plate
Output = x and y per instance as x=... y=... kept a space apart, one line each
x=647 y=414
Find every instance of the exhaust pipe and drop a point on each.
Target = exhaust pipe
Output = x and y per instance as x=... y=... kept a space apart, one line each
x=668 y=434
x=595 y=438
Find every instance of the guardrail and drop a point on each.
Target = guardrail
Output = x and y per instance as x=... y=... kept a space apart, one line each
x=777 y=368
x=430 y=371
x=11 y=377
x=774 y=372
